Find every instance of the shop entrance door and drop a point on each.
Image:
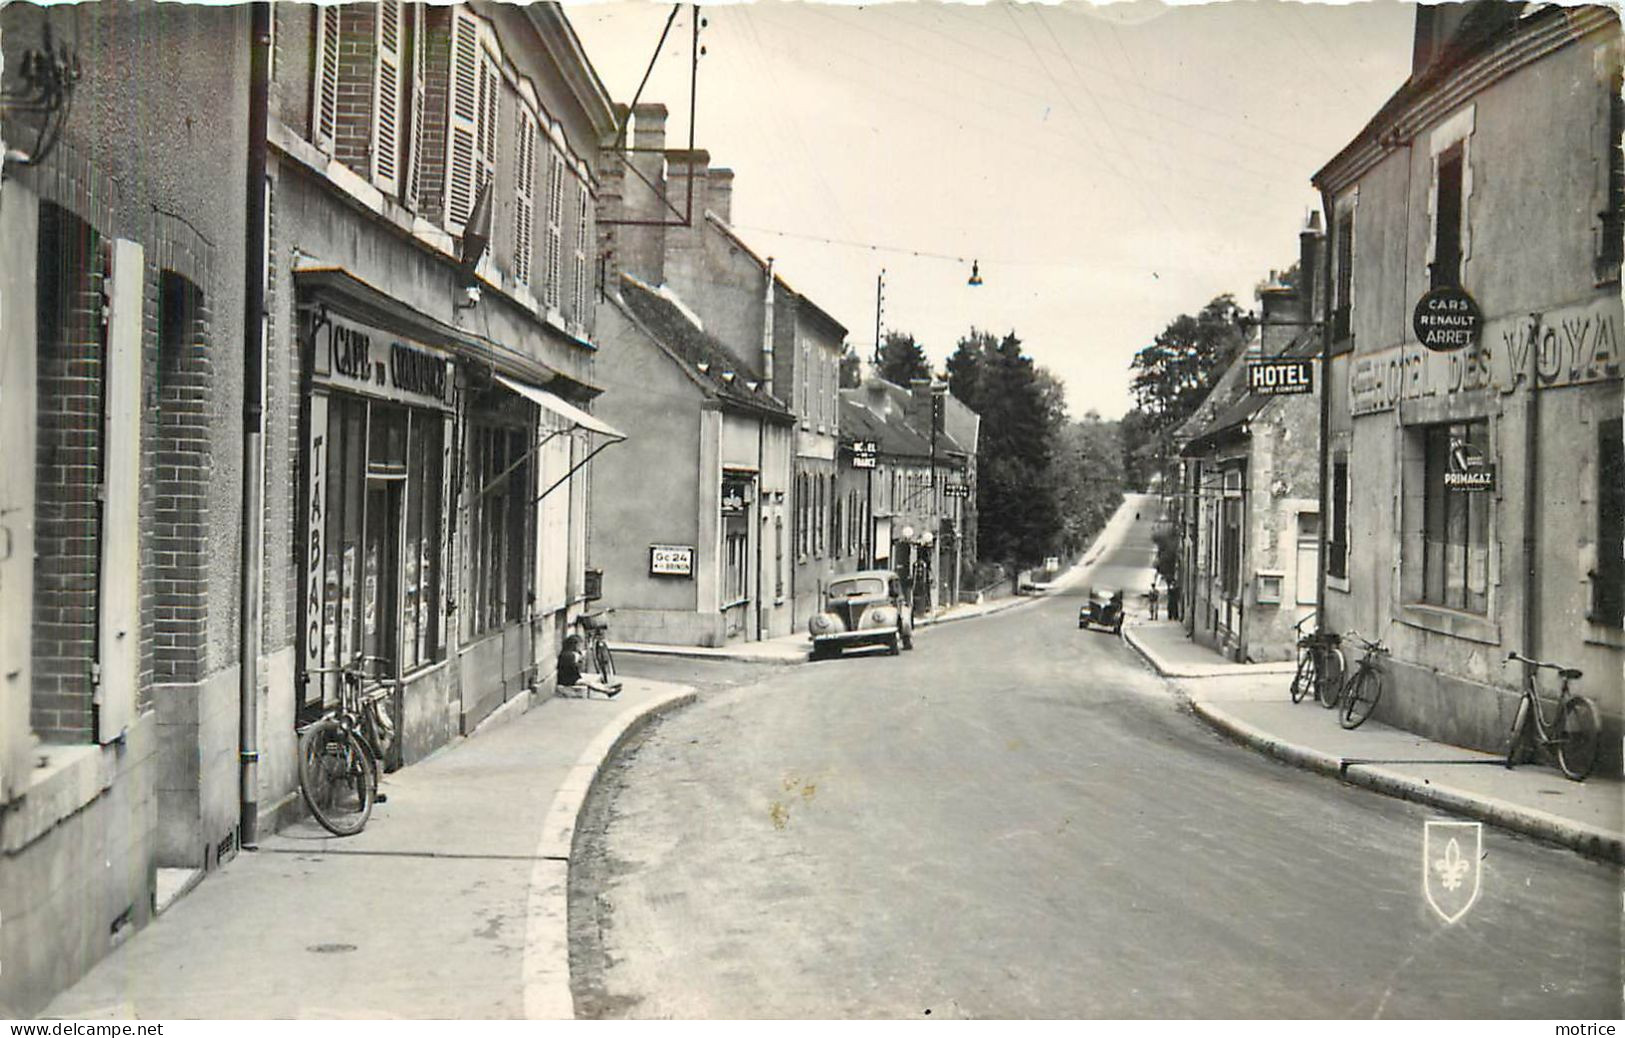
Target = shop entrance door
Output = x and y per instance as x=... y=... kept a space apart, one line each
x=380 y=585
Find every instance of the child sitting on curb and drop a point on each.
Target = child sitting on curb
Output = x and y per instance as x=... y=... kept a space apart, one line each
x=570 y=676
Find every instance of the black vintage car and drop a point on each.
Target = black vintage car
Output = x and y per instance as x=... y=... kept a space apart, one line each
x=1104 y=609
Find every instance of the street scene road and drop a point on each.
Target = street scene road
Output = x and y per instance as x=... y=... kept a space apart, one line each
x=1018 y=819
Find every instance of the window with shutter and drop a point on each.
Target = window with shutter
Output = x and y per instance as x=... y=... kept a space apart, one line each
x=386 y=99
x=414 y=158
x=555 y=229
x=463 y=118
x=578 y=289
x=524 y=210
x=324 y=104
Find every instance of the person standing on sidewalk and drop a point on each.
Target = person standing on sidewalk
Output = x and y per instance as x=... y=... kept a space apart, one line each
x=1151 y=597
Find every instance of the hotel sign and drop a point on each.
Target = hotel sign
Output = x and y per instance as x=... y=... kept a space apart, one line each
x=1281 y=377
x=864 y=453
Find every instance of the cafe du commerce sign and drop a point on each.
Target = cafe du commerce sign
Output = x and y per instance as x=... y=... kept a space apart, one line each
x=355 y=356
x=1446 y=319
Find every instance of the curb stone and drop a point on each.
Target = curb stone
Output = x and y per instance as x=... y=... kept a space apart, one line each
x=1586 y=840
x=546 y=965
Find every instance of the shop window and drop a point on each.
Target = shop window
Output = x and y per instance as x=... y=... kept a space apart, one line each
x=1455 y=523
x=498 y=515
x=1337 y=538
x=1608 y=579
x=381 y=565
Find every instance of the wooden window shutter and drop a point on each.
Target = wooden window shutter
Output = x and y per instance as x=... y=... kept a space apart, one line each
x=524 y=197
x=555 y=228
x=414 y=159
x=463 y=111
x=490 y=95
x=324 y=103
x=118 y=597
x=386 y=103
x=578 y=294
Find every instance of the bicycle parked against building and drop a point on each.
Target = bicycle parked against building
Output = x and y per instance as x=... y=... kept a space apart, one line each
x=342 y=754
x=595 y=642
x=1363 y=688
x=1320 y=665
x=1571 y=733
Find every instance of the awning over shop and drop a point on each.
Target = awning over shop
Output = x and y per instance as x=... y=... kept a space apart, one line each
x=574 y=415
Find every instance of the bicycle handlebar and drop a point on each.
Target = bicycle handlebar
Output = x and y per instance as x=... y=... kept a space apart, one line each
x=1366 y=643
x=1521 y=658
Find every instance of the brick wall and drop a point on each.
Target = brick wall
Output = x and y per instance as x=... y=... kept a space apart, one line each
x=352 y=141
x=436 y=98
x=183 y=471
x=72 y=264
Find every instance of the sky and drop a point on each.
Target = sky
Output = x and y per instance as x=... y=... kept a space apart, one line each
x=1108 y=168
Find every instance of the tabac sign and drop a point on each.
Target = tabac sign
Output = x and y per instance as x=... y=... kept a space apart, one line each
x=1447 y=319
x=355 y=356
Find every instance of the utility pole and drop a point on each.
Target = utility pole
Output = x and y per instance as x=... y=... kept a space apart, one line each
x=880 y=302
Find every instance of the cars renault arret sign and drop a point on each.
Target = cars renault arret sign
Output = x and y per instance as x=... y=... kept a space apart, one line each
x=1447 y=319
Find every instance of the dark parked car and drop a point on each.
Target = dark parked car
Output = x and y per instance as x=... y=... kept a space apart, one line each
x=1104 y=609
x=863 y=608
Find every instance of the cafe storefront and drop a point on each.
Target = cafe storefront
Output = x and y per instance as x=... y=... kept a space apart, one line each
x=381 y=420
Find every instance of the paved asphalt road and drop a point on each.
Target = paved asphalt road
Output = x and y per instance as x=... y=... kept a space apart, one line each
x=1017 y=819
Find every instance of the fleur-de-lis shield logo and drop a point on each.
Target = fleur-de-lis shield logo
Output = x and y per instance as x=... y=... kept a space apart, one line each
x=1451 y=852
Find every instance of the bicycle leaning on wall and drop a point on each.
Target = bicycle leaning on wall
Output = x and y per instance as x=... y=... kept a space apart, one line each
x=342 y=754
x=1571 y=733
x=1363 y=688
x=1320 y=665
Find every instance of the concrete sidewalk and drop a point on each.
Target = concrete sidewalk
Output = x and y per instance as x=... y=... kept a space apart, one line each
x=1252 y=704
x=452 y=902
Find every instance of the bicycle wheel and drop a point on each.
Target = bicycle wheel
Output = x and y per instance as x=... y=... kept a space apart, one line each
x=1515 y=736
x=1360 y=697
x=1307 y=677
x=1330 y=689
x=1577 y=738
x=336 y=777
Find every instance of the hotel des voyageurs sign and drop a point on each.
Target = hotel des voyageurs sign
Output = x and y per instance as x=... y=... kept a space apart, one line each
x=1567 y=346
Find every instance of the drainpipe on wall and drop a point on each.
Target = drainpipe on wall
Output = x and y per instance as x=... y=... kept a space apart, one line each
x=1325 y=312
x=254 y=273
x=1531 y=446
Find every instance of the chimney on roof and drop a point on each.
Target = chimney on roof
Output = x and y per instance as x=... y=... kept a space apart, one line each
x=687 y=170
x=720 y=192
x=1311 y=249
x=640 y=249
